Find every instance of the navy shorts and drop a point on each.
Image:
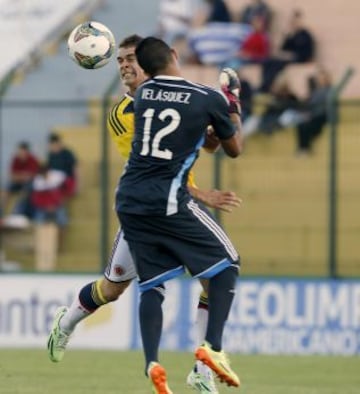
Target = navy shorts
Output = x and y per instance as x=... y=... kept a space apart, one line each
x=162 y=246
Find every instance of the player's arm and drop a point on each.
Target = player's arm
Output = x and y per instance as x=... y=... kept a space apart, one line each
x=218 y=199
x=233 y=146
x=212 y=141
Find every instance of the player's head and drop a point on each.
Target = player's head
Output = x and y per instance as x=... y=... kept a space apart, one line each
x=130 y=72
x=155 y=57
x=55 y=143
x=23 y=150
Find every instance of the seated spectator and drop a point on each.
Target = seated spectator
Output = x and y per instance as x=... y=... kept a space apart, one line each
x=314 y=112
x=48 y=197
x=63 y=159
x=298 y=46
x=255 y=47
x=281 y=100
x=49 y=193
x=24 y=165
x=257 y=8
x=219 y=35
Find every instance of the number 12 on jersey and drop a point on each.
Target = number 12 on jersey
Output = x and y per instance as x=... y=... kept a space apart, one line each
x=153 y=148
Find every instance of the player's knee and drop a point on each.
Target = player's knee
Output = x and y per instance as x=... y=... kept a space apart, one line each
x=205 y=285
x=225 y=279
x=112 y=291
x=151 y=297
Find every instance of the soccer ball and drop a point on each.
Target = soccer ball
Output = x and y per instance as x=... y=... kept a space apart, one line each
x=91 y=45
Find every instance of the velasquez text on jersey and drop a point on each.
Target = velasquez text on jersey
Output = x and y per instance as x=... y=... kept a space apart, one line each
x=165 y=95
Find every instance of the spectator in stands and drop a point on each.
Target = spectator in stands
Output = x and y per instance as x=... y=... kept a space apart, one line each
x=63 y=159
x=314 y=112
x=255 y=48
x=281 y=100
x=48 y=196
x=24 y=165
x=257 y=8
x=220 y=12
x=298 y=46
x=220 y=35
x=174 y=20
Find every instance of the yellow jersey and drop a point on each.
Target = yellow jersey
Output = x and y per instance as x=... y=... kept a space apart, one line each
x=121 y=126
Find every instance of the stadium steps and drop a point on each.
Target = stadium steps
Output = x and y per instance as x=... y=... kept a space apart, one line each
x=83 y=235
x=282 y=225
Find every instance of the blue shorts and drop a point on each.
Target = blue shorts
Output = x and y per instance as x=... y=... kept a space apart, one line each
x=162 y=246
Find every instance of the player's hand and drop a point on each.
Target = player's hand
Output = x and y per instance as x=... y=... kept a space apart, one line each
x=212 y=142
x=230 y=86
x=218 y=199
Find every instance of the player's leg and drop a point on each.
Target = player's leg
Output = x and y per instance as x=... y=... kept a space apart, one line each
x=211 y=255
x=154 y=266
x=90 y=298
x=118 y=275
x=201 y=377
x=151 y=319
x=221 y=294
x=202 y=312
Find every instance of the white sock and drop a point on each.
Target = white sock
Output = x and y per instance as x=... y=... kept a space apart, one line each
x=202 y=368
x=202 y=316
x=73 y=316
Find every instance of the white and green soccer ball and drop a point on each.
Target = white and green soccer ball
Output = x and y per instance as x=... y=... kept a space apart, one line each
x=91 y=45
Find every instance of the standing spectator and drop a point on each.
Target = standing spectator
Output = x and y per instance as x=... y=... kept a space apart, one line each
x=24 y=165
x=298 y=46
x=63 y=159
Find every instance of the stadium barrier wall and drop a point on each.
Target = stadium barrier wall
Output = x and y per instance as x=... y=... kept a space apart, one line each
x=269 y=316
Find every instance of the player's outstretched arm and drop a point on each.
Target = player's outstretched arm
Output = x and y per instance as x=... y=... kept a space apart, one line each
x=218 y=199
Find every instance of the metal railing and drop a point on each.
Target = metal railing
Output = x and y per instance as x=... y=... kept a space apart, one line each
x=277 y=239
x=333 y=117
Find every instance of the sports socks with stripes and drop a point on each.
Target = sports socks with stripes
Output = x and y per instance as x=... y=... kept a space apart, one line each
x=89 y=300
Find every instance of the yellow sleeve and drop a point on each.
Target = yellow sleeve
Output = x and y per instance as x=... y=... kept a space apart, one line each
x=191 y=179
x=120 y=124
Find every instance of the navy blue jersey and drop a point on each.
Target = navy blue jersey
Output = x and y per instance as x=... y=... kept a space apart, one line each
x=171 y=118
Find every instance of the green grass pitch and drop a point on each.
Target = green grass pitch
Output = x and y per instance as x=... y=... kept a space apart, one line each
x=100 y=372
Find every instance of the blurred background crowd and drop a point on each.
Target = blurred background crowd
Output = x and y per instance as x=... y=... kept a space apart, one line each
x=289 y=56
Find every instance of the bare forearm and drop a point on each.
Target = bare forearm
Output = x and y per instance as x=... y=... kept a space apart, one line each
x=217 y=199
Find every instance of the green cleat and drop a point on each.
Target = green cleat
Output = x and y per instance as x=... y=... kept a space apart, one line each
x=202 y=382
x=58 y=339
x=219 y=363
